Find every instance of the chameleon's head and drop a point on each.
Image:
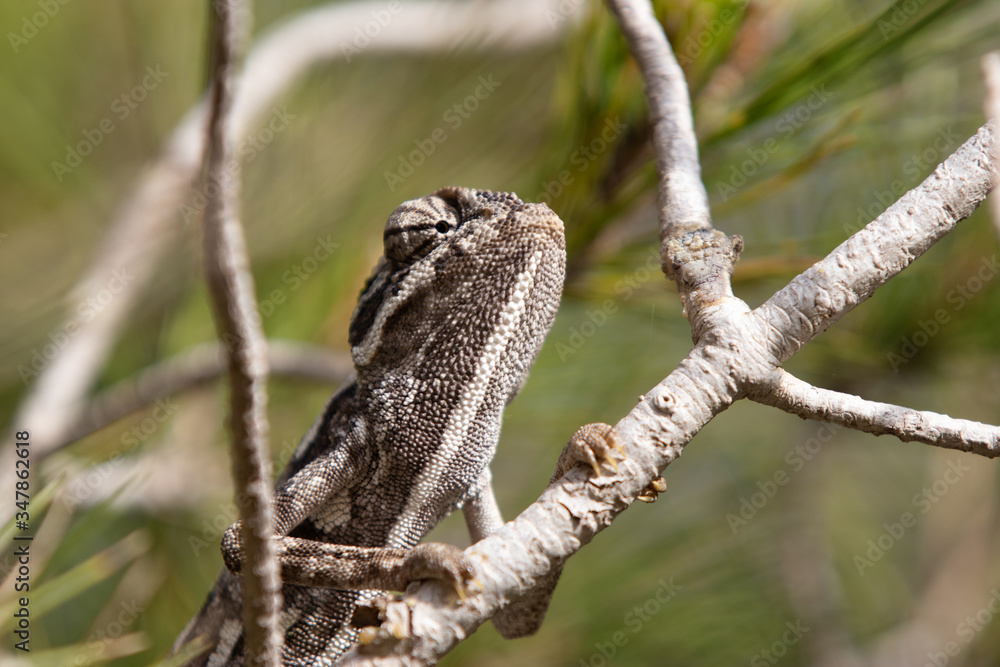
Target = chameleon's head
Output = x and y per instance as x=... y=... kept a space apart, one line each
x=468 y=287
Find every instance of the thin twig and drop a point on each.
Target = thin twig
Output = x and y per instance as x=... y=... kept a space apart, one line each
x=682 y=196
x=230 y=285
x=737 y=353
x=194 y=367
x=800 y=398
x=721 y=368
x=693 y=254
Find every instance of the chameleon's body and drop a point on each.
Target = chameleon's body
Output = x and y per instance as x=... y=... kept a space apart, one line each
x=442 y=339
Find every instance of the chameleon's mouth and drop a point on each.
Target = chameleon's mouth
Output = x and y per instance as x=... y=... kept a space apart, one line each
x=541 y=217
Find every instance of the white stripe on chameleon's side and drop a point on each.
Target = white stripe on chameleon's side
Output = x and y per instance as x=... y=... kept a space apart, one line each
x=428 y=484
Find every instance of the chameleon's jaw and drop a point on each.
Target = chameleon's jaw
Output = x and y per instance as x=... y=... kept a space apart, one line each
x=543 y=217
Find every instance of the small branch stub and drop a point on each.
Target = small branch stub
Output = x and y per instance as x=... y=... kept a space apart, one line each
x=702 y=264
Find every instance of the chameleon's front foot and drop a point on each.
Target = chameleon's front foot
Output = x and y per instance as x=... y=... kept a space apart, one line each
x=443 y=562
x=594 y=445
x=310 y=563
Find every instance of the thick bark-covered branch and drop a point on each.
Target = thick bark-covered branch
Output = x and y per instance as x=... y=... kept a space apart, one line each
x=566 y=516
x=832 y=287
x=733 y=359
x=738 y=353
x=230 y=285
x=800 y=398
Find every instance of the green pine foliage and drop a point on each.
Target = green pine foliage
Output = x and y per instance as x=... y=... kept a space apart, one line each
x=776 y=538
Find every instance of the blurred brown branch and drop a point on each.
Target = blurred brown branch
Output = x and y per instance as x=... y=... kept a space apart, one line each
x=231 y=287
x=196 y=366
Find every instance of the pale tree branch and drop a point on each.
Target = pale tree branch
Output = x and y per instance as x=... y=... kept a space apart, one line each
x=733 y=359
x=230 y=285
x=737 y=354
x=682 y=197
x=698 y=258
x=800 y=398
x=991 y=106
x=832 y=287
x=566 y=517
x=196 y=366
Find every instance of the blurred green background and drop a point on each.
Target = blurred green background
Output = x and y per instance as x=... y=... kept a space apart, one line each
x=810 y=116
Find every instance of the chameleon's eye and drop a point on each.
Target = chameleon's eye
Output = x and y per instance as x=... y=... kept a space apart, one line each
x=417 y=227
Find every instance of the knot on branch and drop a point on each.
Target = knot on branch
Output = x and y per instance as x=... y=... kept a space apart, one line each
x=701 y=263
x=700 y=255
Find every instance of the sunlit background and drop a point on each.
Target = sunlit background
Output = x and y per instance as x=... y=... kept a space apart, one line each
x=779 y=541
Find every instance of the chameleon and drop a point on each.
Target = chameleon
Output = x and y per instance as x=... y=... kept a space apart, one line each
x=442 y=338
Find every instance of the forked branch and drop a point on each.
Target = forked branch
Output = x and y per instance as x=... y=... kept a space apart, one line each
x=738 y=354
